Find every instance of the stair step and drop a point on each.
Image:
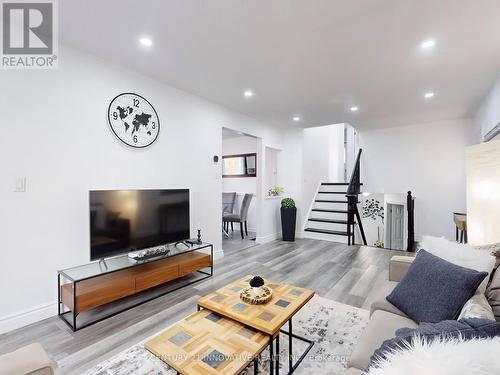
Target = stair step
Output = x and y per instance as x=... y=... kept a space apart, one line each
x=324 y=210
x=332 y=192
x=332 y=221
x=325 y=231
x=327 y=201
x=336 y=183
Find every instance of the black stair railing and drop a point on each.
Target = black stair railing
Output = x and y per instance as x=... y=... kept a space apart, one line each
x=410 y=206
x=355 y=182
x=353 y=190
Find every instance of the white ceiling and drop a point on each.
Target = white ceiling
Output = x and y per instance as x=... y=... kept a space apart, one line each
x=311 y=58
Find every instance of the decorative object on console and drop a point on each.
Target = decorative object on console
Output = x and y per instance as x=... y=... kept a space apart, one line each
x=196 y=241
x=288 y=219
x=153 y=252
x=434 y=289
x=133 y=120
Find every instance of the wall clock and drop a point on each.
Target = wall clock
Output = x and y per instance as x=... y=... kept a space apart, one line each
x=133 y=120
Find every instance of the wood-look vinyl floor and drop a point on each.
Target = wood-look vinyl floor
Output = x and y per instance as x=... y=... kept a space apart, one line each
x=347 y=274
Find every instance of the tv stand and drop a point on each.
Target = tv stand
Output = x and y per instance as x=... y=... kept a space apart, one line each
x=87 y=289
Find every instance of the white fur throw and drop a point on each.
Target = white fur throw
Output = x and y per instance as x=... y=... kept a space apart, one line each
x=442 y=357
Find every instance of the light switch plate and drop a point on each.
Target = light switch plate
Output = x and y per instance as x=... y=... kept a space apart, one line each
x=20 y=185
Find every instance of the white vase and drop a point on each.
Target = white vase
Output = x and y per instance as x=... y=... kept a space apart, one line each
x=258 y=291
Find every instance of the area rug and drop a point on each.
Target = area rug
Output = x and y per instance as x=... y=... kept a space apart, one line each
x=334 y=327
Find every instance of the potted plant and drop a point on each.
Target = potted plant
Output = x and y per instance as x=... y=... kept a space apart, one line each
x=288 y=219
x=276 y=191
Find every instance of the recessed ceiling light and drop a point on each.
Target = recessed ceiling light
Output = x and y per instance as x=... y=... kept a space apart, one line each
x=296 y=118
x=354 y=109
x=429 y=95
x=146 y=42
x=248 y=94
x=428 y=44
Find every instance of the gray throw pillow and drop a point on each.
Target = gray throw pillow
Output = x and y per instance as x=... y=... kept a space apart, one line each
x=434 y=289
x=466 y=329
x=493 y=293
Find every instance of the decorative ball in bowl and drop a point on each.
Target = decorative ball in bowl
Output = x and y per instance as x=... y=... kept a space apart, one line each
x=257 y=293
x=257 y=283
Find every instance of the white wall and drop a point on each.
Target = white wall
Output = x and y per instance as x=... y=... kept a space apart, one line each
x=488 y=114
x=374 y=227
x=270 y=214
x=483 y=193
x=323 y=159
x=429 y=160
x=243 y=185
x=291 y=170
x=54 y=133
x=272 y=164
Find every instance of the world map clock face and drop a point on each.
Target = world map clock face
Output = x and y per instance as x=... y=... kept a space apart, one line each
x=133 y=120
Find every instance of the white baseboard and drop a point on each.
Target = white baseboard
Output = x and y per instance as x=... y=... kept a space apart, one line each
x=268 y=238
x=218 y=254
x=37 y=313
x=300 y=234
x=26 y=317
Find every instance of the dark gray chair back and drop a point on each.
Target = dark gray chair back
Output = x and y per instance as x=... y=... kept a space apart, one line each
x=244 y=206
x=228 y=202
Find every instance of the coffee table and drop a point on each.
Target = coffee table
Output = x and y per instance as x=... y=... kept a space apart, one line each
x=207 y=343
x=269 y=318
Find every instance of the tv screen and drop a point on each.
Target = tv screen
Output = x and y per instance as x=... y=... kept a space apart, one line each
x=126 y=220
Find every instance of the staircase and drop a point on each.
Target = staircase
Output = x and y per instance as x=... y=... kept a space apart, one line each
x=334 y=213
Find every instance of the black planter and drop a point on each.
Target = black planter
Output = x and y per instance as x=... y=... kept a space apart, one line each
x=288 y=220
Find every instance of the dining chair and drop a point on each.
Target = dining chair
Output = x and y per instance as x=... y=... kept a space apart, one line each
x=228 y=200
x=241 y=217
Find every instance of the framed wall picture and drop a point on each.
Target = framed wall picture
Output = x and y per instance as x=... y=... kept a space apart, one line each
x=240 y=165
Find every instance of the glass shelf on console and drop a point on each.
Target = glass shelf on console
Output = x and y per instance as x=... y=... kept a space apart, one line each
x=97 y=268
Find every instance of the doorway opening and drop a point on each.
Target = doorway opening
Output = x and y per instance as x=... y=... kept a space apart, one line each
x=395 y=226
x=241 y=171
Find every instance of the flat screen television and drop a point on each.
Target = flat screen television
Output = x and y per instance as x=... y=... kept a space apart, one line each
x=126 y=220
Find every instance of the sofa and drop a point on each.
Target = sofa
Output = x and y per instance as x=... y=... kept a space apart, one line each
x=28 y=360
x=385 y=318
